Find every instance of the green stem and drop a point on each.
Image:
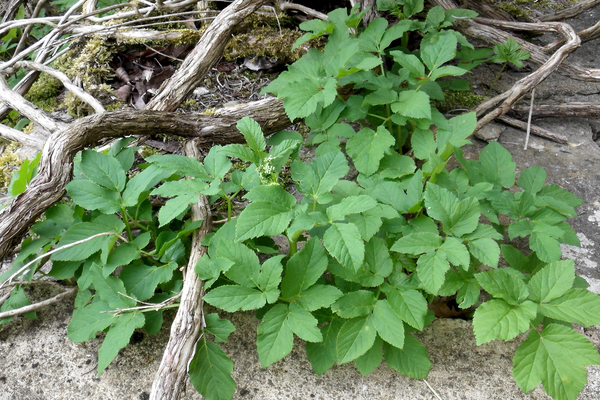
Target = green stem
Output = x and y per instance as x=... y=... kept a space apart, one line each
x=496 y=79
x=228 y=208
x=294 y=242
x=127 y=225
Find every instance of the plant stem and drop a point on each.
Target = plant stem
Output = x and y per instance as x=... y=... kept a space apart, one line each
x=496 y=79
x=127 y=225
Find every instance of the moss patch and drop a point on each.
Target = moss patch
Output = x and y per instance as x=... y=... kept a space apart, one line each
x=9 y=162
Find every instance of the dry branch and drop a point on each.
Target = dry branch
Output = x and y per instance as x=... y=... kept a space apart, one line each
x=55 y=167
x=40 y=305
x=172 y=373
x=536 y=130
x=575 y=109
x=570 y=12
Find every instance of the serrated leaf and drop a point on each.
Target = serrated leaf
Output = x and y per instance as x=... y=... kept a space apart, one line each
x=412 y=360
x=343 y=241
x=88 y=320
x=418 y=243
x=440 y=204
x=486 y=251
x=118 y=336
x=142 y=280
x=496 y=319
x=441 y=51
x=318 y=296
x=410 y=305
x=235 y=298
x=252 y=133
x=93 y=197
x=552 y=281
x=350 y=205
x=84 y=230
x=110 y=289
x=318 y=178
x=246 y=267
x=103 y=170
x=465 y=217
x=532 y=179
x=497 y=165
x=367 y=148
x=323 y=355
x=219 y=328
x=16 y=300
x=546 y=247
x=303 y=98
x=175 y=207
x=303 y=324
x=431 y=269
x=557 y=357
x=502 y=284
x=355 y=337
x=388 y=323
x=274 y=337
x=576 y=305
x=367 y=363
x=303 y=269
x=412 y=104
x=354 y=304
x=180 y=165
x=210 y=372
x=456 y=252
x=142 y=182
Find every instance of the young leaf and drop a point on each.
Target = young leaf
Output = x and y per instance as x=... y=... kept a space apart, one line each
x=350 y=205
x=409 y=304
x=354 y=304
x=500 y=283
x=412 y=104
x=318 y=296
x=388 y=323
x=367 y=148
x=431 y=269
x=252 y=133
x=434 y=54
x=412 y=360
x=497 y=165
x=576 y=305
x=176 y=207
x=318 y=178
x=235 y=298
x=456 y=252
x=441 y=204
x=344 y=243
x=246 y=267
x=355 y=337
x=496 y=319
x=274 y=337
x=210 y=372
x=142 y=280
x=486 y=251
x=417 y=243
x=556 y=357
x=219 y=328
x=180 y=165
x=532 y=179
x=103 y=170
x=89 y=320
x=118 y=336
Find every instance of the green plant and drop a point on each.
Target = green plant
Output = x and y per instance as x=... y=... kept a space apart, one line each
x=505 y=53
x=364 y=257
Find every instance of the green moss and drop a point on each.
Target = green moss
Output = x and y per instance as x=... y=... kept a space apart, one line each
x=264 y=42
x=457 y=100
x=148 y=151
x=44 y=91
x=9 y=162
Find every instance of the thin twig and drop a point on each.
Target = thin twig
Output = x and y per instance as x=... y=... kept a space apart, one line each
x=529 y=119
x=37 y=306
x=430 y=388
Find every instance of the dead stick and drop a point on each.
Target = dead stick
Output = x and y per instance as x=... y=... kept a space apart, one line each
x=37 y=306
x=576 y=109
x=529 y=119
x=536 y=130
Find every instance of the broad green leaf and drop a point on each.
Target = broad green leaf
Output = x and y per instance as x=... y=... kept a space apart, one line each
x=354 y=304
x=252 y=133
x=216 y=163
x=394 y=165
x=318 y=296
x=497 y=165
x=502 y=284
x=355 y=337
x=265 y=217
x=89 y=320
x=303 y=269
x=318 y=178
x=181 y=187
x=412 y=104
x=417 y=243
x=270 y=277
x=431 y=269
x=303 y=324
x=303 y=98
x=110 y=289
x=103 y=170
x=343 y=242
x=16 y=300
x=465 y=217
x=176 y=207
x=388 y=323
x=381 y=96
x=274 y=337
x=93 y=197
x=180 y=165
x=486 y=251
x=552 y=281
x=210 y=372
x=377 y=260
x=350 y=205
x=412 y=360
x=410 y=62
x=557 y=357
x=456 y=252
x=367 y=148
x=576 y=305
x=209 y=269
x=323 y=355
x=532 y=179
x=246 y=267
x=118 y=336
x=235 y=298
x=244 y=153
x=496 y=319
x=410 y=305
x=441 y=204
x=546 y=247
x=219 y=328
x=142 y=280
x=367 y=363
x=439 y=52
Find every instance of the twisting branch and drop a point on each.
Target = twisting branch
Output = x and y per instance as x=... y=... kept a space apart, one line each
x=570 y=12
x=37 y=306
